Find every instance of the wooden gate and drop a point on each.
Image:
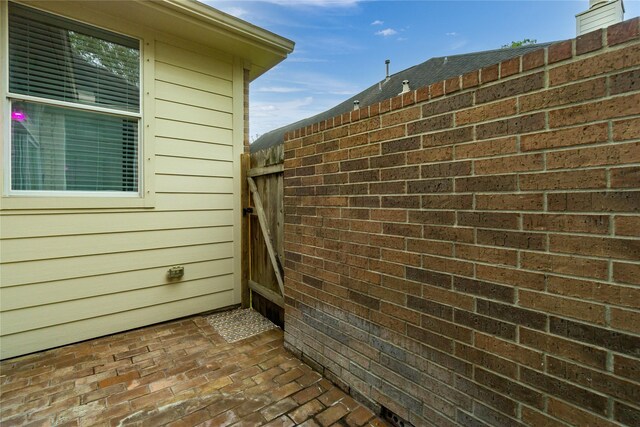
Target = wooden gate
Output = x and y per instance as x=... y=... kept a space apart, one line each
x=263 y=229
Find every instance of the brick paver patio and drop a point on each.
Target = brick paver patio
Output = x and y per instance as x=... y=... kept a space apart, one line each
x=180 y=373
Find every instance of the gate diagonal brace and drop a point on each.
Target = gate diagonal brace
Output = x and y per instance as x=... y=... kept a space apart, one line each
x=262 y=220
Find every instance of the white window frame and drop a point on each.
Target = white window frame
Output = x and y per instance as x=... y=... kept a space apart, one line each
x=32 y=199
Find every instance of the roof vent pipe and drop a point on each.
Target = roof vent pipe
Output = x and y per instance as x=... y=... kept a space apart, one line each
x=387 y=62
x=405 y=87
x=356 y=105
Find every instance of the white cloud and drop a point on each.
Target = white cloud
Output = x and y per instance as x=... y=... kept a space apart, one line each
x=451 y=34
x=319 y=3
x=306 y=60
x=266 y=116
x=293 y=103
x=458 y=45
x=377 y=22
x=320 y=91
x=238 y=12
x=387 y=32
x=324 y=45
x=310 y=82
x=265 y=108
x=304 y=56
x=278 y=89
x=341 y=92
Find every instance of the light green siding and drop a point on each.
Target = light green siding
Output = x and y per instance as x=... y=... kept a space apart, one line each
x=70 y=272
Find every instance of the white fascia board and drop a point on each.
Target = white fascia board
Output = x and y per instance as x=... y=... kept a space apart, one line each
x=262 y=48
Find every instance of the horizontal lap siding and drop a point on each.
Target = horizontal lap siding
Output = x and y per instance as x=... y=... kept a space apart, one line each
x=117 y=321
x=23 y=250
x=59 y=291
x=69 y=276
x=468 y=253
x=57 y=269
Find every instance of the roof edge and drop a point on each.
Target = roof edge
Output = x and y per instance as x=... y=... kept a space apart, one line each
x=279 y=47
x=312 y=119
x=240 y=27
x=554 y=53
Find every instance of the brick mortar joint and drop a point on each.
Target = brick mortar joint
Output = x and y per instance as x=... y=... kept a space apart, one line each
x=612 y=308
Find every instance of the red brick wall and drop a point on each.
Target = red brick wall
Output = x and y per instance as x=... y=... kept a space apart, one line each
x=469 y=253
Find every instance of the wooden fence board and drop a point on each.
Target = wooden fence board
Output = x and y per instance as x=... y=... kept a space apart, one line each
x=266 y=233
x=266 y=170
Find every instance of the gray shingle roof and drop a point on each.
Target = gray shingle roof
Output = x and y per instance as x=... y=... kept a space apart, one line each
x=426 y=73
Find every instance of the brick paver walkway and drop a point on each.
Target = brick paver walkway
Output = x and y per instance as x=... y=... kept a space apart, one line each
x=180 y=373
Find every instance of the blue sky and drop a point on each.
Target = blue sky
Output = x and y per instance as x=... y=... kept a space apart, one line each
x=341 y=45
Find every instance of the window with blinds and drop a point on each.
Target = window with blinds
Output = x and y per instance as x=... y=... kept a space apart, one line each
x=74 y=92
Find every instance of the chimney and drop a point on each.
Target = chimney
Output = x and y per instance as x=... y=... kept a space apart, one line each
x=356 y=105
x=405 y=87
x=601 y=14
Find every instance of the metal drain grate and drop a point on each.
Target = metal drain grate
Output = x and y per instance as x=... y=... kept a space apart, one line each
x=394 y=419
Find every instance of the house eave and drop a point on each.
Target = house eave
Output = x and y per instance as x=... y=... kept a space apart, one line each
x=241 y=37
x=189 y=19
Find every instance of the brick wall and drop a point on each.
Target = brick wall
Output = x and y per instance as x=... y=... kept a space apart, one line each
x=468 y=253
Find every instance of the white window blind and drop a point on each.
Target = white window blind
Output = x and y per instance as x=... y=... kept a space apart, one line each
x=74 y=92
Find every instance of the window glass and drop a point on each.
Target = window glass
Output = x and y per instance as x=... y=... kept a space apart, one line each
x=62 y=149
x=74 y=147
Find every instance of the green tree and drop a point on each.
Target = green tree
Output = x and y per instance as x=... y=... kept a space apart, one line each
x=524 y=42
x=119 y=60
